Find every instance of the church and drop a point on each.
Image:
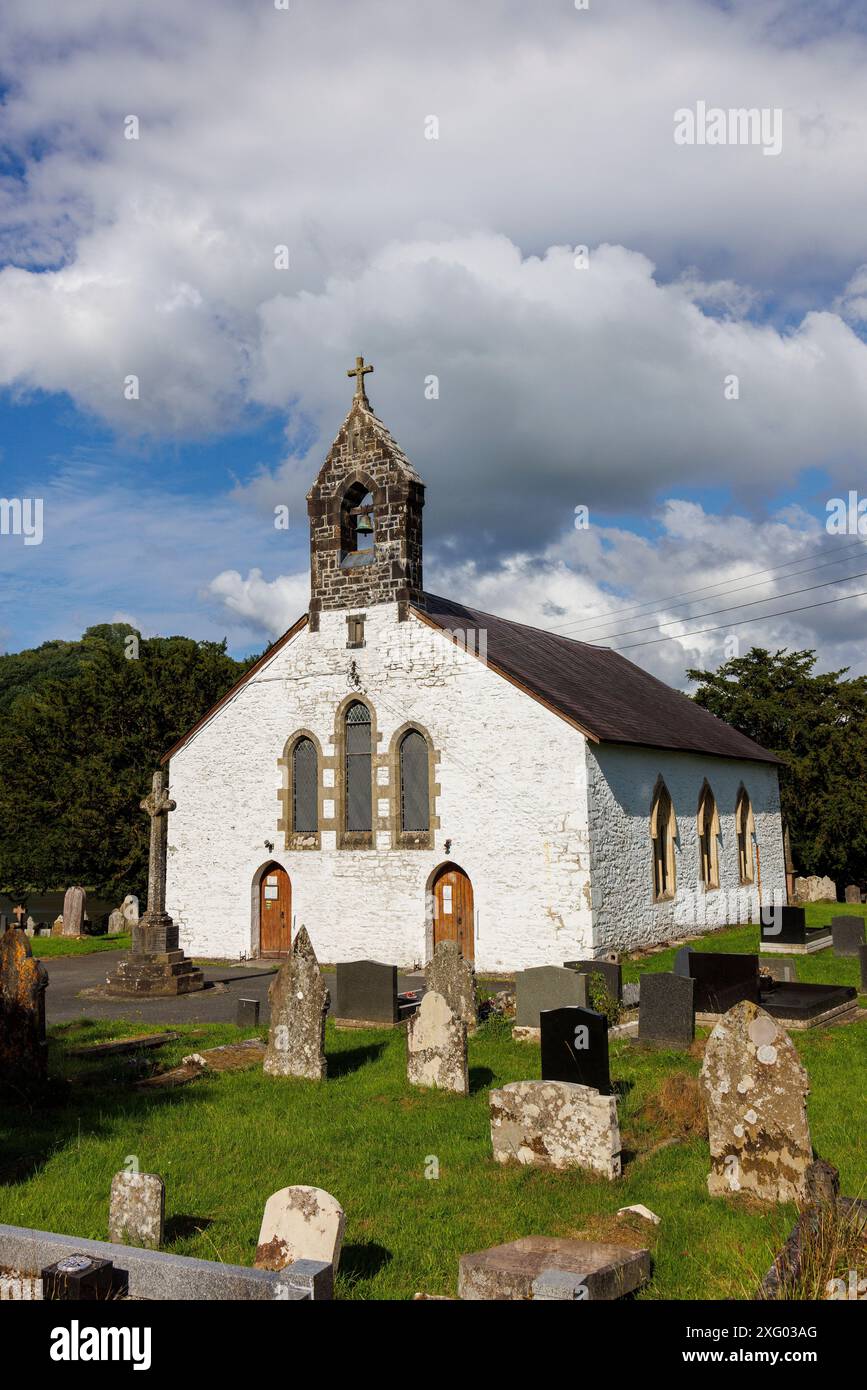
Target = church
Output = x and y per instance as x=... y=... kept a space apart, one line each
x=399 y=769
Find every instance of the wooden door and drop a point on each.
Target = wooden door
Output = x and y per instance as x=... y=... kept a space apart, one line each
x=275 y=912
x=453 y=911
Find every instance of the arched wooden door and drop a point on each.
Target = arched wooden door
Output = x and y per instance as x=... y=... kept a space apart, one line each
x=275 y=912
x=453 y=910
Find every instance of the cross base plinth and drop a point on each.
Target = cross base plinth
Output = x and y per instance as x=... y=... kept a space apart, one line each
x=157 y=967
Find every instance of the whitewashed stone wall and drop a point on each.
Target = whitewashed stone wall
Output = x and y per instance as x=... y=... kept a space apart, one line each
x=621 y=782
x=513 y=803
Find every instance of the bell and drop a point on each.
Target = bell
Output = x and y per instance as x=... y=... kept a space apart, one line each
x=365 y=525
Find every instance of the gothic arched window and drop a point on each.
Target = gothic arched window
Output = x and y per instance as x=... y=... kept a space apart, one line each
x=357 y=527
x=414 y=783
x=359 y=806
x=663 y=833
x=305 y=788
x=707 y=827
x=745 y=828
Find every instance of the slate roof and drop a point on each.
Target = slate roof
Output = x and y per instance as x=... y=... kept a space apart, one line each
x=598 y=689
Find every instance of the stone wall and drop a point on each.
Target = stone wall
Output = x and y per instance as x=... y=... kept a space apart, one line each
x=621 y=782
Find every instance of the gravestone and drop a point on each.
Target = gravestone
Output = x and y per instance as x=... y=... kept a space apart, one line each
x=74 y=903
x=137 y=1210
x=546 y=987
x=853 y=893
x=755 y=1089
x=784 y=931
x=575 y=1048
x=666 y=1015
x=299 y=1003
x=862 y=957
x=436 y=1047
x=57 y=926
x=157 y=966
x=300 y=1223
x=721 y=979
x=815 y=889
x=632 y=995
x=247 y=1013
x=23 y=981
x=610 y=971
x=117 y=923
x=30 y=929
x=129 y=907
x=448 y=973
x=847 y=934
x=552 y=1267
x=555 y=1124
x=366 y=993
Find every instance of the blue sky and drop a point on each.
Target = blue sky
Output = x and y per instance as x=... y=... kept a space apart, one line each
x=452 y=257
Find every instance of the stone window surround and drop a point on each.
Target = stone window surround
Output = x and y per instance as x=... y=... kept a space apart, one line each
x=671 y=867
x=745 y=825
x=335 y=761
x=311 y=839
x=707 y=806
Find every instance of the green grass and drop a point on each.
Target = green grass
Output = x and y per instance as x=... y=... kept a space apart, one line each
x=48 y=946
x=224 y=1144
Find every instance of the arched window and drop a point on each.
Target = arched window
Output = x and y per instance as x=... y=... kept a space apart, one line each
x=663 y=833
x=305 y=788
x=745 y=828
x=414 y=791
x=708 y=838
x=357 y=529
x=359 y=810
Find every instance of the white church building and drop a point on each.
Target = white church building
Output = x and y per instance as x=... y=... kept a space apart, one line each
x=399 y=768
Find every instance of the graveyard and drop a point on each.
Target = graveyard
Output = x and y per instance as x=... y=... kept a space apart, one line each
x=401 y=1135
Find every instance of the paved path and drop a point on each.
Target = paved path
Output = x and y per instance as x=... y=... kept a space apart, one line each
x=216 y=1003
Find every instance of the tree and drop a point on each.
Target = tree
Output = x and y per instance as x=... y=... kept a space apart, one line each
x=77 y=754
x=816 y=723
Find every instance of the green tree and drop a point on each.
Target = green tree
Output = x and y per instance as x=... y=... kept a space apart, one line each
x=77 y=752
x=816 y=724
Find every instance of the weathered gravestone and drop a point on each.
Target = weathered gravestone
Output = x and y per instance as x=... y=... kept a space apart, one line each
x=815 y=889
x=448 y=973
x=300 y=1223
x=853 y=893
x=137 y=1210
x=129 y=907
x=436 y=1047
x=299 y=1003
x=23 y=981
x=666 y=1015
x=575 y=1048
x=610 y=971
x=366 y=994
x=74 y=904
x=57 y=925
x=546 y=987
x=847 y=934
x=247 y=1013
x=117 y=923
x=755 y=1089
x=555 y=1124
x=552 y=1267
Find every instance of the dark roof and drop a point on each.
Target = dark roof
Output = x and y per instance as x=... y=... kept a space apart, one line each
x=597 y=689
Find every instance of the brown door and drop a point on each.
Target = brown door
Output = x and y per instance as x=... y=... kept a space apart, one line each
x=275 y=912
x=453 y=911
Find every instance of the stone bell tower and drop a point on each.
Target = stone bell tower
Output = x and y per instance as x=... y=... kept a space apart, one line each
x=365 y=517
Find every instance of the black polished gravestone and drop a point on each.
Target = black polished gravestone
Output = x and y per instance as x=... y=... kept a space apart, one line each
x=666 y=1011
x=366 y=993
x=608 y=969
x=862 y=957
x=575 y=1047
x=721 y=980
x=785 y=930
x=847 y=934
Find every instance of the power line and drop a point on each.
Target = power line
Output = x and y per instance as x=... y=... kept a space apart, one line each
x=733 y=608
x=759 y=618
x=722 y=584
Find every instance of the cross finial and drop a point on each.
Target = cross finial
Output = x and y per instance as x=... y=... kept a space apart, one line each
x=359 y=371
x=19 y=913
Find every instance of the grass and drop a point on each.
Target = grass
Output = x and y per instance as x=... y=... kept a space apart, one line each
x=224 y=1144
x=46 y=947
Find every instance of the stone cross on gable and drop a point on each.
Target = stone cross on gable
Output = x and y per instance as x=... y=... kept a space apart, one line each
x=158 y=805
x=359 y=371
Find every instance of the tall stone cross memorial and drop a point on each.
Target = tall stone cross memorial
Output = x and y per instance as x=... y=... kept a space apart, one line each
x=157 y=964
